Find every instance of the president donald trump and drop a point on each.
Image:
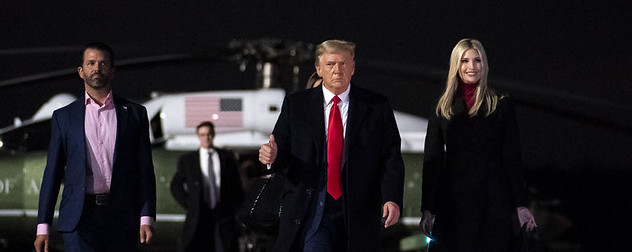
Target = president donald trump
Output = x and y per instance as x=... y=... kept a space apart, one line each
x=339 y=145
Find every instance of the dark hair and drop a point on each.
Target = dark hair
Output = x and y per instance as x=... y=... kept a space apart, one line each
x=101 y=47
x=206 y=124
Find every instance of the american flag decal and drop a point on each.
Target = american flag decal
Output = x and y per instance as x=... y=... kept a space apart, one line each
x=225 y=113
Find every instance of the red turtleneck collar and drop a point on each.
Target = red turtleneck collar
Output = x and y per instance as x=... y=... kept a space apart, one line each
x=469 y=93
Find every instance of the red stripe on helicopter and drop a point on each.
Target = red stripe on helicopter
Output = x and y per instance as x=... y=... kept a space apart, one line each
x=223 y=112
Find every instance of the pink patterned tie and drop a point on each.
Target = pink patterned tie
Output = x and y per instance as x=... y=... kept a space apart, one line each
x=334 y=150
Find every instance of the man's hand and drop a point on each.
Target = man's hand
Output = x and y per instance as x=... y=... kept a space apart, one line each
x=426 y=223
x=146 y=233
x=525 y=217
x=268 y=152
x=41 y=243
x=390 y=211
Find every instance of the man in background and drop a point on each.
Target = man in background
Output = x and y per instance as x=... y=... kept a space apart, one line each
x=208 y=186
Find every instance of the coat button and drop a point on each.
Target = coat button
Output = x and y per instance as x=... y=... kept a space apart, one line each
x=309 y=191
x=297 y=221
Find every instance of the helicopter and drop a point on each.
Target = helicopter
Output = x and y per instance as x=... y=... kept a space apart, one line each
x=243 y=120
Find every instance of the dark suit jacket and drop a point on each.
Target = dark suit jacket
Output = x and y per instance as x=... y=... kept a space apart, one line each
x=133 y=187
x=472 y=176
x=373 y=170
x=187 y=185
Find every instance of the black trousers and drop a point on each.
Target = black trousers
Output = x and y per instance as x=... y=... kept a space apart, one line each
x=96 y=232
x=206 y=237
x=331 y=234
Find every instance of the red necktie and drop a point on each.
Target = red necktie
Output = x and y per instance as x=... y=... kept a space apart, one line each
x=334 y=150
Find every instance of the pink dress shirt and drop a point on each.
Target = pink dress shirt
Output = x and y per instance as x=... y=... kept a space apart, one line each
x=100 y=129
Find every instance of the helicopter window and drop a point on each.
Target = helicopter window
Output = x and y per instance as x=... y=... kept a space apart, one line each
x=35 y=136
x=156 y=126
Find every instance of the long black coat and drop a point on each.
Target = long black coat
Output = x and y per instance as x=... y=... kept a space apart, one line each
x=373 y=169
x=473 y=179
x=187 y=185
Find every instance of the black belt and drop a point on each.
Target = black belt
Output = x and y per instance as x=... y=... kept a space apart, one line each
x=98 y=199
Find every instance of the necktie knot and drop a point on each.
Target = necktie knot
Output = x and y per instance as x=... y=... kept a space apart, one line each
x=336 y=99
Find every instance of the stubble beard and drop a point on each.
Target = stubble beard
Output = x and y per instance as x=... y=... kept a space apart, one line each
x=97 y=81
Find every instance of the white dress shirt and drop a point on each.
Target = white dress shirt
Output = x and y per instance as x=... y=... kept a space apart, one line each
x=343 y=105
x=204 y=158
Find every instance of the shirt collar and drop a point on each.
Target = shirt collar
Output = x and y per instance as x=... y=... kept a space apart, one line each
x=205 y=150
x=344 y=96
x=108 y=99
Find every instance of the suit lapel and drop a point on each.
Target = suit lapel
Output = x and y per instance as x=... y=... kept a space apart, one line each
x=122 y=119
x=355 y=115
x=316 y=109
x=222 y=170
x=198 y=168
x=78 y=127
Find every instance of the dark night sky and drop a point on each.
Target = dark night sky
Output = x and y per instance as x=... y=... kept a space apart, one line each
x=566 y=63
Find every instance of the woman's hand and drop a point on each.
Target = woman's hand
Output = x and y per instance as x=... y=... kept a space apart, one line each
x=427 y=220
x=525 y=217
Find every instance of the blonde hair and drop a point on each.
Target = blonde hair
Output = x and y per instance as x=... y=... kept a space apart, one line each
x=313 y=80
x=483 y=92
x=333 y=46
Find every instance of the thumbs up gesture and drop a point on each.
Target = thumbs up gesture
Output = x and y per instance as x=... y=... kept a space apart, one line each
x=268 y=152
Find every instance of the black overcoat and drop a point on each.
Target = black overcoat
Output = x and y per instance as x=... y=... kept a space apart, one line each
x=187 y=189
x=473 y=179
x=373 y=170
